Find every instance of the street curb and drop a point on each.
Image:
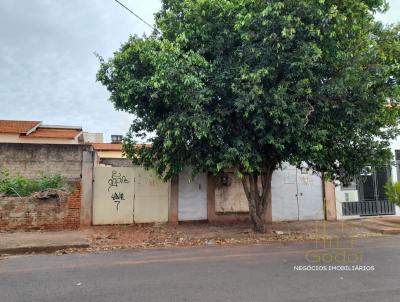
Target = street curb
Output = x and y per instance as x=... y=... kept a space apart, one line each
x=40 y=249
x=382 y=228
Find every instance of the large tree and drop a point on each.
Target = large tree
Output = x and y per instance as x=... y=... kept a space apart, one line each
x=250 y=84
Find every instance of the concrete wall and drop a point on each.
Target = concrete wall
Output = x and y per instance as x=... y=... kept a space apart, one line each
x=212 y=214
x=74 y=162
x=29 y=160
x=87 y=187
x=230 y=198
x=27 y=213
x=213 y=192
x=115 y=162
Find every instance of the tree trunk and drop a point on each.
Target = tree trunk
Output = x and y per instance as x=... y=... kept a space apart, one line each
x=257 y=187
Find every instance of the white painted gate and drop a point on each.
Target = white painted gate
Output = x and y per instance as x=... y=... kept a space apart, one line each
x=127 y=195
x=151 y=197
x=284 y=194
x=296 y=195
x=310 y=195
x=192 y=196
x=113 y=194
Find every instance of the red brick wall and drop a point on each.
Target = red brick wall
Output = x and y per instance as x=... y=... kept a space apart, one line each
x=25 y=213
x=72 y=219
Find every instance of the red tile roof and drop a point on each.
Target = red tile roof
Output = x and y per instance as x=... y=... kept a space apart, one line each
x=107 y=147
x=55 y=133
x=19 y=127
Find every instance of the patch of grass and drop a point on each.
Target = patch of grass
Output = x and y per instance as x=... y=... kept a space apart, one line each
x=21 y=186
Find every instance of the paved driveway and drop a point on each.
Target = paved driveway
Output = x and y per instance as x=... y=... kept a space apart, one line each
x=242 y=273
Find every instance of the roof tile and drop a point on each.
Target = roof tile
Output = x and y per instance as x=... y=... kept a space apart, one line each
x=107 y=147
x=20 y=127
x=54 y=133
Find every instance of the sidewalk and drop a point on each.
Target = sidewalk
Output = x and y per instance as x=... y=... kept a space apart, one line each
x=99 y=238
x=42 y=242
x=389 y=225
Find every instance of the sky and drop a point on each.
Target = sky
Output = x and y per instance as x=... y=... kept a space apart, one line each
x=47 y=62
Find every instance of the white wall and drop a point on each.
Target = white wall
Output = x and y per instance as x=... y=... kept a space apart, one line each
x=352 y=195
x=92 y=137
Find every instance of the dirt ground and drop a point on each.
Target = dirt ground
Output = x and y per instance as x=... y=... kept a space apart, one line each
x=194 y=234
x=105 y=238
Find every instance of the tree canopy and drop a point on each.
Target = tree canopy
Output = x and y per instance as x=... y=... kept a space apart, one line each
x=250 y=84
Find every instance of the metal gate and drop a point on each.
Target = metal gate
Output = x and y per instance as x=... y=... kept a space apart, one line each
x=127 y=195
x=373 y=201
x=296 y=195
x=284 y=194
x=310 y=195
x=192 y=196
x=368 y=208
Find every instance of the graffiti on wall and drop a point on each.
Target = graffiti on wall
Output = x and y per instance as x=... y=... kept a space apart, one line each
x=117 y=198
x=114 y=181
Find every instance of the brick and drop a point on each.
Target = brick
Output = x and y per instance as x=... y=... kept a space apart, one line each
x=26 y=214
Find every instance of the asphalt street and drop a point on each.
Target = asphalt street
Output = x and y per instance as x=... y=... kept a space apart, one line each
x=366 y=270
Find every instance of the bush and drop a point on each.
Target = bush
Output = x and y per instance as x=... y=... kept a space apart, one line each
x=21 y=186
x=392 y=191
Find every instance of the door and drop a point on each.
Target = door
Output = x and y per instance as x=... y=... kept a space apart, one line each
x=310 y=195
x=192 y=196
x=284 y=194
x=113 y=193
